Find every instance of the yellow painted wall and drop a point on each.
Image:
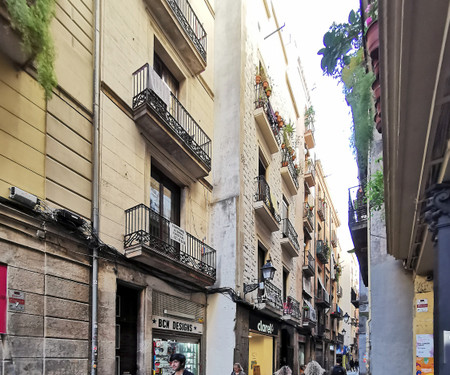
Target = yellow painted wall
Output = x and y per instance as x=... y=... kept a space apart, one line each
x=260 y=349
x=22 y=131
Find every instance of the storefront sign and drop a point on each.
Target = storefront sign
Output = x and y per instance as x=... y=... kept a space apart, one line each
x=422 y=305
x=16 y=301
x=177 y=234
x=301 y=338
x=263 y=325
x=178 y=325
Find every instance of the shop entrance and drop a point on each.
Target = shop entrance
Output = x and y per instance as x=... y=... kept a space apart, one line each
x=260 y=353
x=287 y=351
x=127 y=307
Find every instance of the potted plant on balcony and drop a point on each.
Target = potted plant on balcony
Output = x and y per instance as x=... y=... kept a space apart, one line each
x=32 y=21
x=372 y=33
x=268 y=91
x=260 y=74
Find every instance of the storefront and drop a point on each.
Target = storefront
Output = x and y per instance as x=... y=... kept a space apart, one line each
x=263 y=332
x=172 y=336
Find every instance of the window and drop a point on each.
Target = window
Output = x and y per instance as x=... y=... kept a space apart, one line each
x=163 y=71
x=285 y=208
x=261 y=259
x=285 y=283
x=164 y=196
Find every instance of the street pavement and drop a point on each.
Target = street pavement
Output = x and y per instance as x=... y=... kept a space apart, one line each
x=352 y=372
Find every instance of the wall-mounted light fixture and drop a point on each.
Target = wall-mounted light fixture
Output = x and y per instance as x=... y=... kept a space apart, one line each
x=346 y=317
x=268 y=272
x=344 y=331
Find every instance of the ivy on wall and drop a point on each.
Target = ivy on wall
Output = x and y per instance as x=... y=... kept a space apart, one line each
x=32 y=19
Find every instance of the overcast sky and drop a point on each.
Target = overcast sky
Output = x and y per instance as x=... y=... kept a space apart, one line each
x=310 y=20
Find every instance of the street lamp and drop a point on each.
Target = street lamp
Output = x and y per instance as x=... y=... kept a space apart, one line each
x=346 y=317
x=344 y=331
x=268 y=272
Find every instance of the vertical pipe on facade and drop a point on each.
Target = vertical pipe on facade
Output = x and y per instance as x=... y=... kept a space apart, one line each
x=95 y=186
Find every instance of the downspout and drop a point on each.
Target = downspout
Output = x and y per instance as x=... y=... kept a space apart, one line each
x=95 y=187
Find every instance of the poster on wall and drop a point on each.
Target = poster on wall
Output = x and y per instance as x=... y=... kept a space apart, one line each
x=424 y=355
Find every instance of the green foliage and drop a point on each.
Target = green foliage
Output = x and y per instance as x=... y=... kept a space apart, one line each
x=309 y=116
x=375 y=190
x=341 y=42
x=32 y=20
x=358 y=93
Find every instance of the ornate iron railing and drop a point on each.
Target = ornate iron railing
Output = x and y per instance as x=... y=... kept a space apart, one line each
x=190 y=24
x=322 y=251
x=321 y=206
x=286 y=161
x=272 y=296
x=144 y=226
x=288 y=231
x=333 y=238
x=323 y=297
x=308 y=214
x=309 y=314
x=292 y=307
x=311 y=262
x=310 y=167
x=263 y=194
x=176 y=117
x=357 y=206
x=262 y=101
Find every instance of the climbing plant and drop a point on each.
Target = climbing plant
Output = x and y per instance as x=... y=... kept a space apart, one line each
x=32 y=19
x=375 y=190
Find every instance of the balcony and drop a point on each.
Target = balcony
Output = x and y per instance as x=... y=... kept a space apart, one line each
x=289 y=240
x=308 y=217
x=339 y=291
x=336 y=312
x=309 y=267
x=272 y=299
x=291 y=311
x=322 y=298
x=149 y=240
x=321 y=208
x=164 y=119
x=266 y=120
x=357 y=222
x=307 y=287
x=333 y=238
x=354 y=297
x=309 y=315
x=289 y=172
x=321 y=330
x=263 y=205
x=309 y=137
x=184 y=29
x=322 y=251
x=10 y=39
x=310 y=173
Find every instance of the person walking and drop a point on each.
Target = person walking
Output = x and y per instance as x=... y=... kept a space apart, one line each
x=338 y=370
x=178 y=363
x=237 y=369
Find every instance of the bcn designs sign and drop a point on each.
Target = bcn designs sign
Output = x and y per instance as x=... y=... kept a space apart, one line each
x=160 y=322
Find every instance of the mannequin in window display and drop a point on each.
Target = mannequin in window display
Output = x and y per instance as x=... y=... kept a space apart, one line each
x=178 y=362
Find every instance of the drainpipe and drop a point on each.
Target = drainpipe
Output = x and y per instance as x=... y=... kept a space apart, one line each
x=438 y=218
x=95 y=187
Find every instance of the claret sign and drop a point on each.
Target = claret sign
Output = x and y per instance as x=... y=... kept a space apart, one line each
x=263 y=325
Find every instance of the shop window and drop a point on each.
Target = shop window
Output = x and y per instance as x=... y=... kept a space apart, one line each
x=3 y=297
x=164 y=347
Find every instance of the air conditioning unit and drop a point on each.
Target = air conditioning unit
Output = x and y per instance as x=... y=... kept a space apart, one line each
x=23 y=197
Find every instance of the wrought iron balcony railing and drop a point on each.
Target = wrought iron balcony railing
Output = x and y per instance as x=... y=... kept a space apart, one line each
x=292 y=307
x=145 y=226
x=171 y=113
x=286 y=161
x=309 y=266
x=190 y=24
x=288 y=231
x=337 y=312
x=309 y=314
x=357 y=206
x=262 y=101
x=272 y=296
x=308 y=215
x=333 y=238
x=322 y=251
x=263 y=194
x=323 y=297
x=321 y=207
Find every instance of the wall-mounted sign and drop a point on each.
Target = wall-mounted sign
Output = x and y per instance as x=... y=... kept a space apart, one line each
x=263 y=325
x=422 y=305
x=177 y=234
x=424 y=354
x=169 y=324
x=16 y=301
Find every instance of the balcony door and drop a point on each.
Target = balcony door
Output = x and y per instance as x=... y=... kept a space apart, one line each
x=165 y=207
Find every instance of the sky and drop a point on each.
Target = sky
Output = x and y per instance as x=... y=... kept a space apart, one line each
x=310 y=20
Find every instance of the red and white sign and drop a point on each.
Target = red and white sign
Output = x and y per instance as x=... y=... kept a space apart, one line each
x=422 y=305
